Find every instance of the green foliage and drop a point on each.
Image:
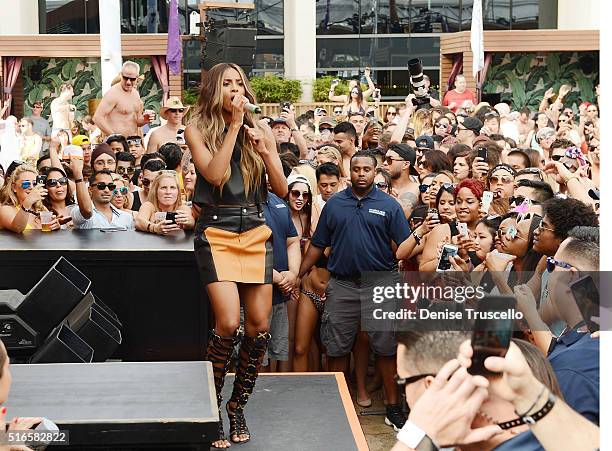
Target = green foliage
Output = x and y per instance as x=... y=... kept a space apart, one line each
x=275 y=89
x=522 y=79
x=320 y=91
x=85 y=76
x=190 y=96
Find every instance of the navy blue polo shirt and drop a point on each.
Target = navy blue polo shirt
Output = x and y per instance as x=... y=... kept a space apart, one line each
x=575 y=359
x=360 y=232
x=525 y=441
x=278 y=218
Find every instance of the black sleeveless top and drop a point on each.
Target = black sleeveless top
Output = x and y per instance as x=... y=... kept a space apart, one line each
x=233 y=190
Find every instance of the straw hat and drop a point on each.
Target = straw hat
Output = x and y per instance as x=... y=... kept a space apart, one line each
x=174 y=103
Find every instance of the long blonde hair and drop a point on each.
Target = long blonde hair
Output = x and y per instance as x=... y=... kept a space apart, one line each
x=155 y=185
x=208 y=119
x=9 y=197
x=421 y=121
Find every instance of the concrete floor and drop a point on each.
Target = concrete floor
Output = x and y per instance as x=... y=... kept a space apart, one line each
x=379 y=436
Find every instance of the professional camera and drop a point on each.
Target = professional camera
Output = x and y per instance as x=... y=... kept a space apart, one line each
x=415 y=67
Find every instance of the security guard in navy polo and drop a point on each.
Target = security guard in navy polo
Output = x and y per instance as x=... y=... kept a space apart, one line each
x=360 y=224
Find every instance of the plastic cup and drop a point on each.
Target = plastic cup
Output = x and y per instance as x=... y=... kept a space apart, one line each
x=46 y=218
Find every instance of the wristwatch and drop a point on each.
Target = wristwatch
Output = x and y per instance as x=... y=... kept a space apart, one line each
x=414 y=437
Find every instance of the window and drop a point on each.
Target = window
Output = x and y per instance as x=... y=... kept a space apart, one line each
x=269 y=15
x=339 y=53
x=70 y=17
x=269 y=55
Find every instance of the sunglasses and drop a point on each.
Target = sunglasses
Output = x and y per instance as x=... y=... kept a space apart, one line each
x=146 y=182
x=51 y=183
x=389 y=160
x=391 y=113
x=102 y=186
x=176 y=110
x=382 y=185
x=337 y=111
x=423 y=188
x=551 y=263
x=122 y=170
x=518 y=200
x=134 y=141
x=27 y=184
x=123 y=191
x=132 y=79
x=402 y=382
x=541 y=226
x=505 y=179
x=296 y=194
x=447 y=186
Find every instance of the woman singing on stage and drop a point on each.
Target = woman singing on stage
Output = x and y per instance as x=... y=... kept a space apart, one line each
x=233 y=247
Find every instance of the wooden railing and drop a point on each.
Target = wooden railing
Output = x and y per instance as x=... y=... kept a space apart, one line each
x=274 y=109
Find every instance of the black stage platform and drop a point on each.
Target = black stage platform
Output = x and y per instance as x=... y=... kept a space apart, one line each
x=164 y=403
x=150 y=281
x=116 y=403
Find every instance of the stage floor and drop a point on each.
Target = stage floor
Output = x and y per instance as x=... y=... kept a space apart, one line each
x=122 y=404
x=301 y=412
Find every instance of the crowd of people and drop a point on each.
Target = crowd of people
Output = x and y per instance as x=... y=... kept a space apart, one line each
x=360 y=188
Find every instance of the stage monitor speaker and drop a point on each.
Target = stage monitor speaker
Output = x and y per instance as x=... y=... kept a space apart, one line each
x=232 y=36
x=63 y=346
x=91 y=321
x=53 y=297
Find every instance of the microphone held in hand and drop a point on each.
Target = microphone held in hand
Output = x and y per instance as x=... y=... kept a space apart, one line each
x=255 y=109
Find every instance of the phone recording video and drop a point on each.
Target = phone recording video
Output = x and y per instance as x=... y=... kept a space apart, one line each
x=492 y=331
x=482 y=153
x=586 y=294
x=41 y=179
x=171 y=216
x=444 y=263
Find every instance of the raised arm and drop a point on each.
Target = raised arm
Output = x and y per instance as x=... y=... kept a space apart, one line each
x=83 y=199
x=398 y=132
x=334 y=98
x=263 y=140
x=371 y=87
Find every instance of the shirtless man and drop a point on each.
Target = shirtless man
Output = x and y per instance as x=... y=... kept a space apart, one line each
x=121 y=110
x=173 y=132
x=525 y=125
x=62 y=112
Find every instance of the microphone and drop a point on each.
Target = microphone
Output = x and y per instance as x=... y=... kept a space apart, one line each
x=255 y=109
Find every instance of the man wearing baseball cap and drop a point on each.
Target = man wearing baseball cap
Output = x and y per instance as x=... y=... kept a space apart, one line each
x=400 y=161
x=173 y=131
x=468 y=130
x=285 y=130
x=84 y=143
x=424 y=143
